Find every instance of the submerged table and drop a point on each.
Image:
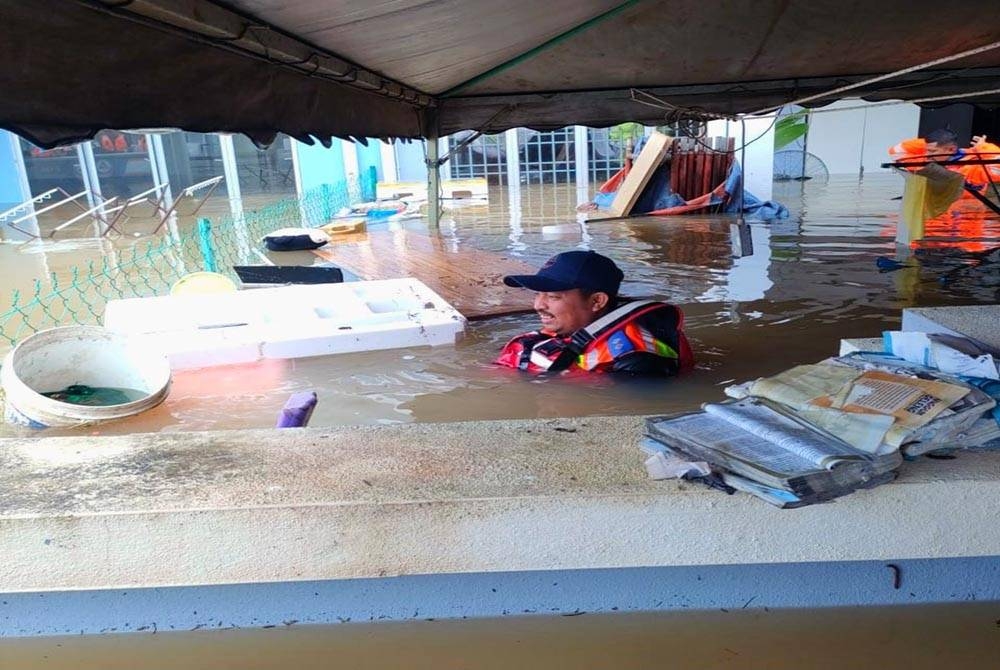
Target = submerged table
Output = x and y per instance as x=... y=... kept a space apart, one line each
x=470 y=279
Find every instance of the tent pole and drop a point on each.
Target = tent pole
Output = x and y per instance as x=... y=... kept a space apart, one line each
x=433 y=181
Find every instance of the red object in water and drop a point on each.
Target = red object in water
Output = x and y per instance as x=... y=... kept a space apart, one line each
x=675 y=175
x=611 y=185
x=706 y=181
x=685 y=168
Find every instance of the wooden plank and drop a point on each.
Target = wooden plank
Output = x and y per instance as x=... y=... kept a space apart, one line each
x=470 y=279
x=649 y=159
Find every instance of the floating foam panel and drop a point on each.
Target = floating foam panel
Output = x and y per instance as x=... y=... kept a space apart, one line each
x=197 y=331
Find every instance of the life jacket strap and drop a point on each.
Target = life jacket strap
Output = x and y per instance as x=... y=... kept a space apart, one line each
x=583 y=337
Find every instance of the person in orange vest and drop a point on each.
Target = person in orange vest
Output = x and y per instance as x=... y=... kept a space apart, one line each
x=112 y=141
x=583 y=328
x=942 y=145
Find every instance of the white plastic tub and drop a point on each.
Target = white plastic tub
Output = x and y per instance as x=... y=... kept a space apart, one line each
x=197 y=331
x=53 y=359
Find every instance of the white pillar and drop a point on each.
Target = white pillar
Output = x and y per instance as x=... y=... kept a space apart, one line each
x=92 y=182
x=158 y=166
x=581 y=144
x=88 y=170
x=513 y=159
x=229 y=169
x=757 y=158
x=351 y=170
x=296 y=170
x=388 y=153
x=444 y=146
x=513 y=186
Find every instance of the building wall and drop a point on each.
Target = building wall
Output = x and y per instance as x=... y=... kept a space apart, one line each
x=853 y=141
x=370 y=157
x=319 y=165
x=756 y=152
x=410 y=161
x=12 y=185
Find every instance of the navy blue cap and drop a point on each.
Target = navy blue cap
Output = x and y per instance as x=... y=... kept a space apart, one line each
x=573 y=269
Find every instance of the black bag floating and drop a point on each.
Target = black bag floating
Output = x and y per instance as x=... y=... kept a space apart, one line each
x=288 y=274
x=295 y=239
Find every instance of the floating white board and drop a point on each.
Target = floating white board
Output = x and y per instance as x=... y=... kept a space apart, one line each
x=196 y=331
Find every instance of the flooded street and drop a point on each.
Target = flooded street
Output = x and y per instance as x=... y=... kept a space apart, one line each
x=811 y=281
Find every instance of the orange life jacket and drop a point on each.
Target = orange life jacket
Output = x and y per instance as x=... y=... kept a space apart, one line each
x=644 y=337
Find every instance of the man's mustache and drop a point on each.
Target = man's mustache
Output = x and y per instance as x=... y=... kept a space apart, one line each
x=543 y=313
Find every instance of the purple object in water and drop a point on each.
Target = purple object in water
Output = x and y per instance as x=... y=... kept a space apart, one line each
x=298 y=409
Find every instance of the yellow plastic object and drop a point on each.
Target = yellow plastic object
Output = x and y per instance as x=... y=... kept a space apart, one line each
x=926 y=194
x=344 y=227
x=200 y=283
x=911 y=218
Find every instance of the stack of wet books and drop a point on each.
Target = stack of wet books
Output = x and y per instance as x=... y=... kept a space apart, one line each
x=760 y=447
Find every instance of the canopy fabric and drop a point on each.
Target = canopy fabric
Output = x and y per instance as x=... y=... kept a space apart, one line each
x=410 y=68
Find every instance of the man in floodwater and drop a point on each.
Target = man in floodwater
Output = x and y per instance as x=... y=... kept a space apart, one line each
x=942 y=145
x=583 y=327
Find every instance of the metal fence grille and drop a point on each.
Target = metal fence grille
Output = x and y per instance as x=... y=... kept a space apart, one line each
x=547 y=158
x=485 y=157
x=152 y=267
x=544 y=157
x=604 y=157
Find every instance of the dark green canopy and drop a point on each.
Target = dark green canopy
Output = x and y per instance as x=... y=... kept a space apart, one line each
x=408 y=68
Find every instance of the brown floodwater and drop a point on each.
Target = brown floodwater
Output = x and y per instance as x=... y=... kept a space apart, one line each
x=918 y=637
x=812 y=279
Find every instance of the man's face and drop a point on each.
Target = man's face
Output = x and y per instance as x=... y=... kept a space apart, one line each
x=941 y=149
x=564 y=312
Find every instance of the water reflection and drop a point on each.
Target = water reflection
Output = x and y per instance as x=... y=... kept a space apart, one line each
x=811 y=280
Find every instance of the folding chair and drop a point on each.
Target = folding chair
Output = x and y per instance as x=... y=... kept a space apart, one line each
x=11 y=218
x=211 y=184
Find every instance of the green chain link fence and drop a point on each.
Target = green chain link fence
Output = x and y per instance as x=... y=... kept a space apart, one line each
x=151 y=267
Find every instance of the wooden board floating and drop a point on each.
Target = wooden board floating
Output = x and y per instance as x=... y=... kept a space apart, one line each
x=645 y=165
x=470 y=279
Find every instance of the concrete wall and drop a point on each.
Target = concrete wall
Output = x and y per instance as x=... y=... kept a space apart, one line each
x=370 y=157
x=849 y=139
x=256 y=528
x=689 y=589
x=410 y=161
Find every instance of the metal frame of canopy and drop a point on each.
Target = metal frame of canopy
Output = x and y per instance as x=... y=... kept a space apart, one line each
x=546 y=66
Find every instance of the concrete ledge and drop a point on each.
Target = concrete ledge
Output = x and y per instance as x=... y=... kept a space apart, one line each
x=368 y=502
x=851 y=345
x=976 y=321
